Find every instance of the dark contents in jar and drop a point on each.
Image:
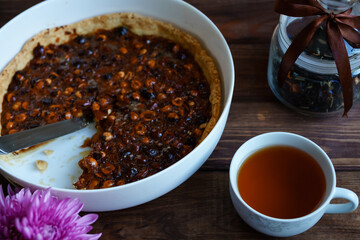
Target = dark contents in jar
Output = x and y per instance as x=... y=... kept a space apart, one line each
x=311 y=92
x=147 y=94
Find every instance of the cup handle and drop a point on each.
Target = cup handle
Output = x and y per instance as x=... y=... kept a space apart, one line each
x=343 y=207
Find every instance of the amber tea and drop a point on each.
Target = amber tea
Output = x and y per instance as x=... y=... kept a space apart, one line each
x=282 y=182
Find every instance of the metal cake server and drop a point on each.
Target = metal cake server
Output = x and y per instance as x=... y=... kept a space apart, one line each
x=20 y=140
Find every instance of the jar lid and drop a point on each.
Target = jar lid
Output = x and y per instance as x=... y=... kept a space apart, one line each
x=309 y=61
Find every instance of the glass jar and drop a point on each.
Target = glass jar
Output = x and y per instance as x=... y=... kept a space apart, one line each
x=313 y=85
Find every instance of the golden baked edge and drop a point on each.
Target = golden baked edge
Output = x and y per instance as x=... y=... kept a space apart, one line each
x=136 y=23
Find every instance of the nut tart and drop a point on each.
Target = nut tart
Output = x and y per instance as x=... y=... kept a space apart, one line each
x=152 y=90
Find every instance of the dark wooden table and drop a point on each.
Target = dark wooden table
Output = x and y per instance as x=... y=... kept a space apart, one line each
x=201 y=207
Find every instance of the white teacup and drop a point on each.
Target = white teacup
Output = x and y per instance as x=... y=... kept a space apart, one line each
x=288 y=227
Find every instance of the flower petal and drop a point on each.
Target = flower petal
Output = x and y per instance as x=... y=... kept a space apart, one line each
x=88 y=236
x=87 y=219
x=2 y=197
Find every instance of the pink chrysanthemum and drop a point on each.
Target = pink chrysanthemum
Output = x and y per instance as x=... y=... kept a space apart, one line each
x=40 y=216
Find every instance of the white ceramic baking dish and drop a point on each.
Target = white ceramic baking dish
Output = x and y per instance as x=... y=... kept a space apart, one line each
x=63 y=169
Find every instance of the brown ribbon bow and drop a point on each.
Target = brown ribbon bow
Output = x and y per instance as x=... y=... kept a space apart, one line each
x=339 y=27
